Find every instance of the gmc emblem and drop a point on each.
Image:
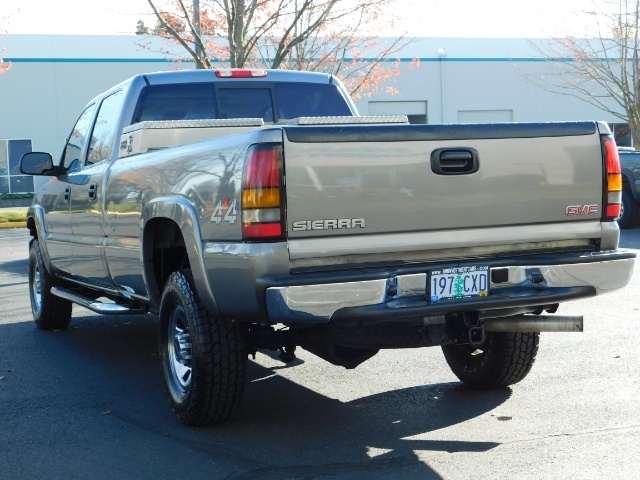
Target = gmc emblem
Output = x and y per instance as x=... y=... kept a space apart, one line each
x=582 y=210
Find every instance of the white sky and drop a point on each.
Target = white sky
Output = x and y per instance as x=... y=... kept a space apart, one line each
x=425 y=18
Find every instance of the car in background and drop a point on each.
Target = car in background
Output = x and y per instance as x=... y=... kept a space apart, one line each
x=630 y=163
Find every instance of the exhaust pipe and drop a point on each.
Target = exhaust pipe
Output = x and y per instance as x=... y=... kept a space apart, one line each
x=535 y=323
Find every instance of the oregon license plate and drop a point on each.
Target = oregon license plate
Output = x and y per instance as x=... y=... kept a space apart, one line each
x=458 y=282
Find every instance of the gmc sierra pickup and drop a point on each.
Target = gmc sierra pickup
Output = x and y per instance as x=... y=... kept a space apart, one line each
x=253 y=209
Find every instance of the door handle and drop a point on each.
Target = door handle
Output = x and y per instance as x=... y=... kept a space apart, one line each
x=67 y=194
x=454 y=161
x=92 y=191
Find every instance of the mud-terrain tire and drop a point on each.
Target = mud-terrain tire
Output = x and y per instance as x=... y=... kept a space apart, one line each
x=630 y=211
x=204 y=357
x=504 y=358
x=49 y=312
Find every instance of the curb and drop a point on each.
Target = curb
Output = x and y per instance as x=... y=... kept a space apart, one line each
x=12 y=225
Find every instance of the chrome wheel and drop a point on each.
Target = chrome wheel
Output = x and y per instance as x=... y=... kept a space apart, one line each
x=49 y=312
x=36 y=290
x=179 y=351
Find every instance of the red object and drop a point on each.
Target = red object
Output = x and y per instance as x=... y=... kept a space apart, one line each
x=257 y=231
x=240 y=73
x=263 y=170
x=612 y=177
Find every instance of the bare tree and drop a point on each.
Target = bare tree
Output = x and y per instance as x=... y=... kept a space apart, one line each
x=319 y=35
x=4 y=66
x=602 y=71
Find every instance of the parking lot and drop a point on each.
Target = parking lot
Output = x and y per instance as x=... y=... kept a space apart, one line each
x=89 y=402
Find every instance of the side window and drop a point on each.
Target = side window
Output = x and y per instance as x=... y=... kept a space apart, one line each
x=189 y=101
x=77 y=139
x=104 y=130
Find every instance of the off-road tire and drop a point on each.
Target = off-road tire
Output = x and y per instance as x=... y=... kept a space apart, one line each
x=504 y=358
x=630 y=211
x=203 y=357
x=49 y=312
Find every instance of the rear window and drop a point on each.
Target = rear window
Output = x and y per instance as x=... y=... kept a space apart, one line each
x=245 y=103
x=309 y=100
x=210 y=101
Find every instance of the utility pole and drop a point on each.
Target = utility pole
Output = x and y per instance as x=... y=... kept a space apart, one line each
x=196 y=26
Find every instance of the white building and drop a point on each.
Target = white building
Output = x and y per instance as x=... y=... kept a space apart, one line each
x=459 y=80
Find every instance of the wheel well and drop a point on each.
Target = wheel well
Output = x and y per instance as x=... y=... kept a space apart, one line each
x=164 y=253
x=31 y=225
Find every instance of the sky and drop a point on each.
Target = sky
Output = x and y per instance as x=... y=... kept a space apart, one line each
x=423 y=18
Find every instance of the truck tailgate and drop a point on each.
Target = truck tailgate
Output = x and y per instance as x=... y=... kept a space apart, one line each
x=483 y=184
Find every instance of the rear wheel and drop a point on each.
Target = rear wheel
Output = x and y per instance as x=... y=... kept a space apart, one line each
x=630 y=214
x=203 y=356
x=49 y=312
x=504 y=358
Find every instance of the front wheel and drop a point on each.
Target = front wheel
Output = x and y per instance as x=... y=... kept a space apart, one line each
x=49 y=312
x=504 y=358
x=203 y=356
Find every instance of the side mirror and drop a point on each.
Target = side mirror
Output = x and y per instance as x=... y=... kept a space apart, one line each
x=38 y=163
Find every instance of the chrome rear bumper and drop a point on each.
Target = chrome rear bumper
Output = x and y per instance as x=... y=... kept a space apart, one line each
x=404 y=295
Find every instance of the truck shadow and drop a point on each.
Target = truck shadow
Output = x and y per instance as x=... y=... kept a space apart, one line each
x=109 y=366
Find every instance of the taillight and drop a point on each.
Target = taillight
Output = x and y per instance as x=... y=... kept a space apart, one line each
x=613 y=192
x=262 y=194
x=240 y=73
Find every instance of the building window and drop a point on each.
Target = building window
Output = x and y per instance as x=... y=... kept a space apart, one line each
x=416 y=112
x=485 y=116
x=11 y=180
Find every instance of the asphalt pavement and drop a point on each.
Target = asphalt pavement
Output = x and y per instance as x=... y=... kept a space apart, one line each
x=89 y=402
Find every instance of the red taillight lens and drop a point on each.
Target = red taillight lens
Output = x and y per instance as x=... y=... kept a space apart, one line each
x=262 y=230
x=613 y=186
x=262 y=194
x=262 y=168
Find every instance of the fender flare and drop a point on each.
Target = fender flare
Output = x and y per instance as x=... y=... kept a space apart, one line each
x=183 y=214
x=36 y=212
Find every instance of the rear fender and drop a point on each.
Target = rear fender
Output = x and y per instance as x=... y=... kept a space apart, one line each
x=628 y=178
x=183 y=214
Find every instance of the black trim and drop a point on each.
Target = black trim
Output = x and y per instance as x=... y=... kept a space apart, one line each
x=396 y=133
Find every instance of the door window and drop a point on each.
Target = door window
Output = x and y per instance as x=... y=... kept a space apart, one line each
x=104 y=130
x=77 y=139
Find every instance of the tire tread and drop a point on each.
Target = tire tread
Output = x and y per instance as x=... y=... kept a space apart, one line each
x=219 y=375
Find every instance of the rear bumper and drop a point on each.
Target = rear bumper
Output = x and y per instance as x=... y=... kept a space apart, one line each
x=403 y=294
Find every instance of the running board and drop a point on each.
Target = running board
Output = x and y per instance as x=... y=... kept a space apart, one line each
x=96 y=306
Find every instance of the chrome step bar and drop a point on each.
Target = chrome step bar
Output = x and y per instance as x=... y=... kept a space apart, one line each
x=95 y=305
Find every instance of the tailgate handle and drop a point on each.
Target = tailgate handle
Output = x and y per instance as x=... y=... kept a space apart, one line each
x=454 y=161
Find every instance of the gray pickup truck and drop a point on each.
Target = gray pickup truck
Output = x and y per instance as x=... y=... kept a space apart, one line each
x=255 y=210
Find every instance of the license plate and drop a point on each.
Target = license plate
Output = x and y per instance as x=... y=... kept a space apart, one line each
x=458 y=282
